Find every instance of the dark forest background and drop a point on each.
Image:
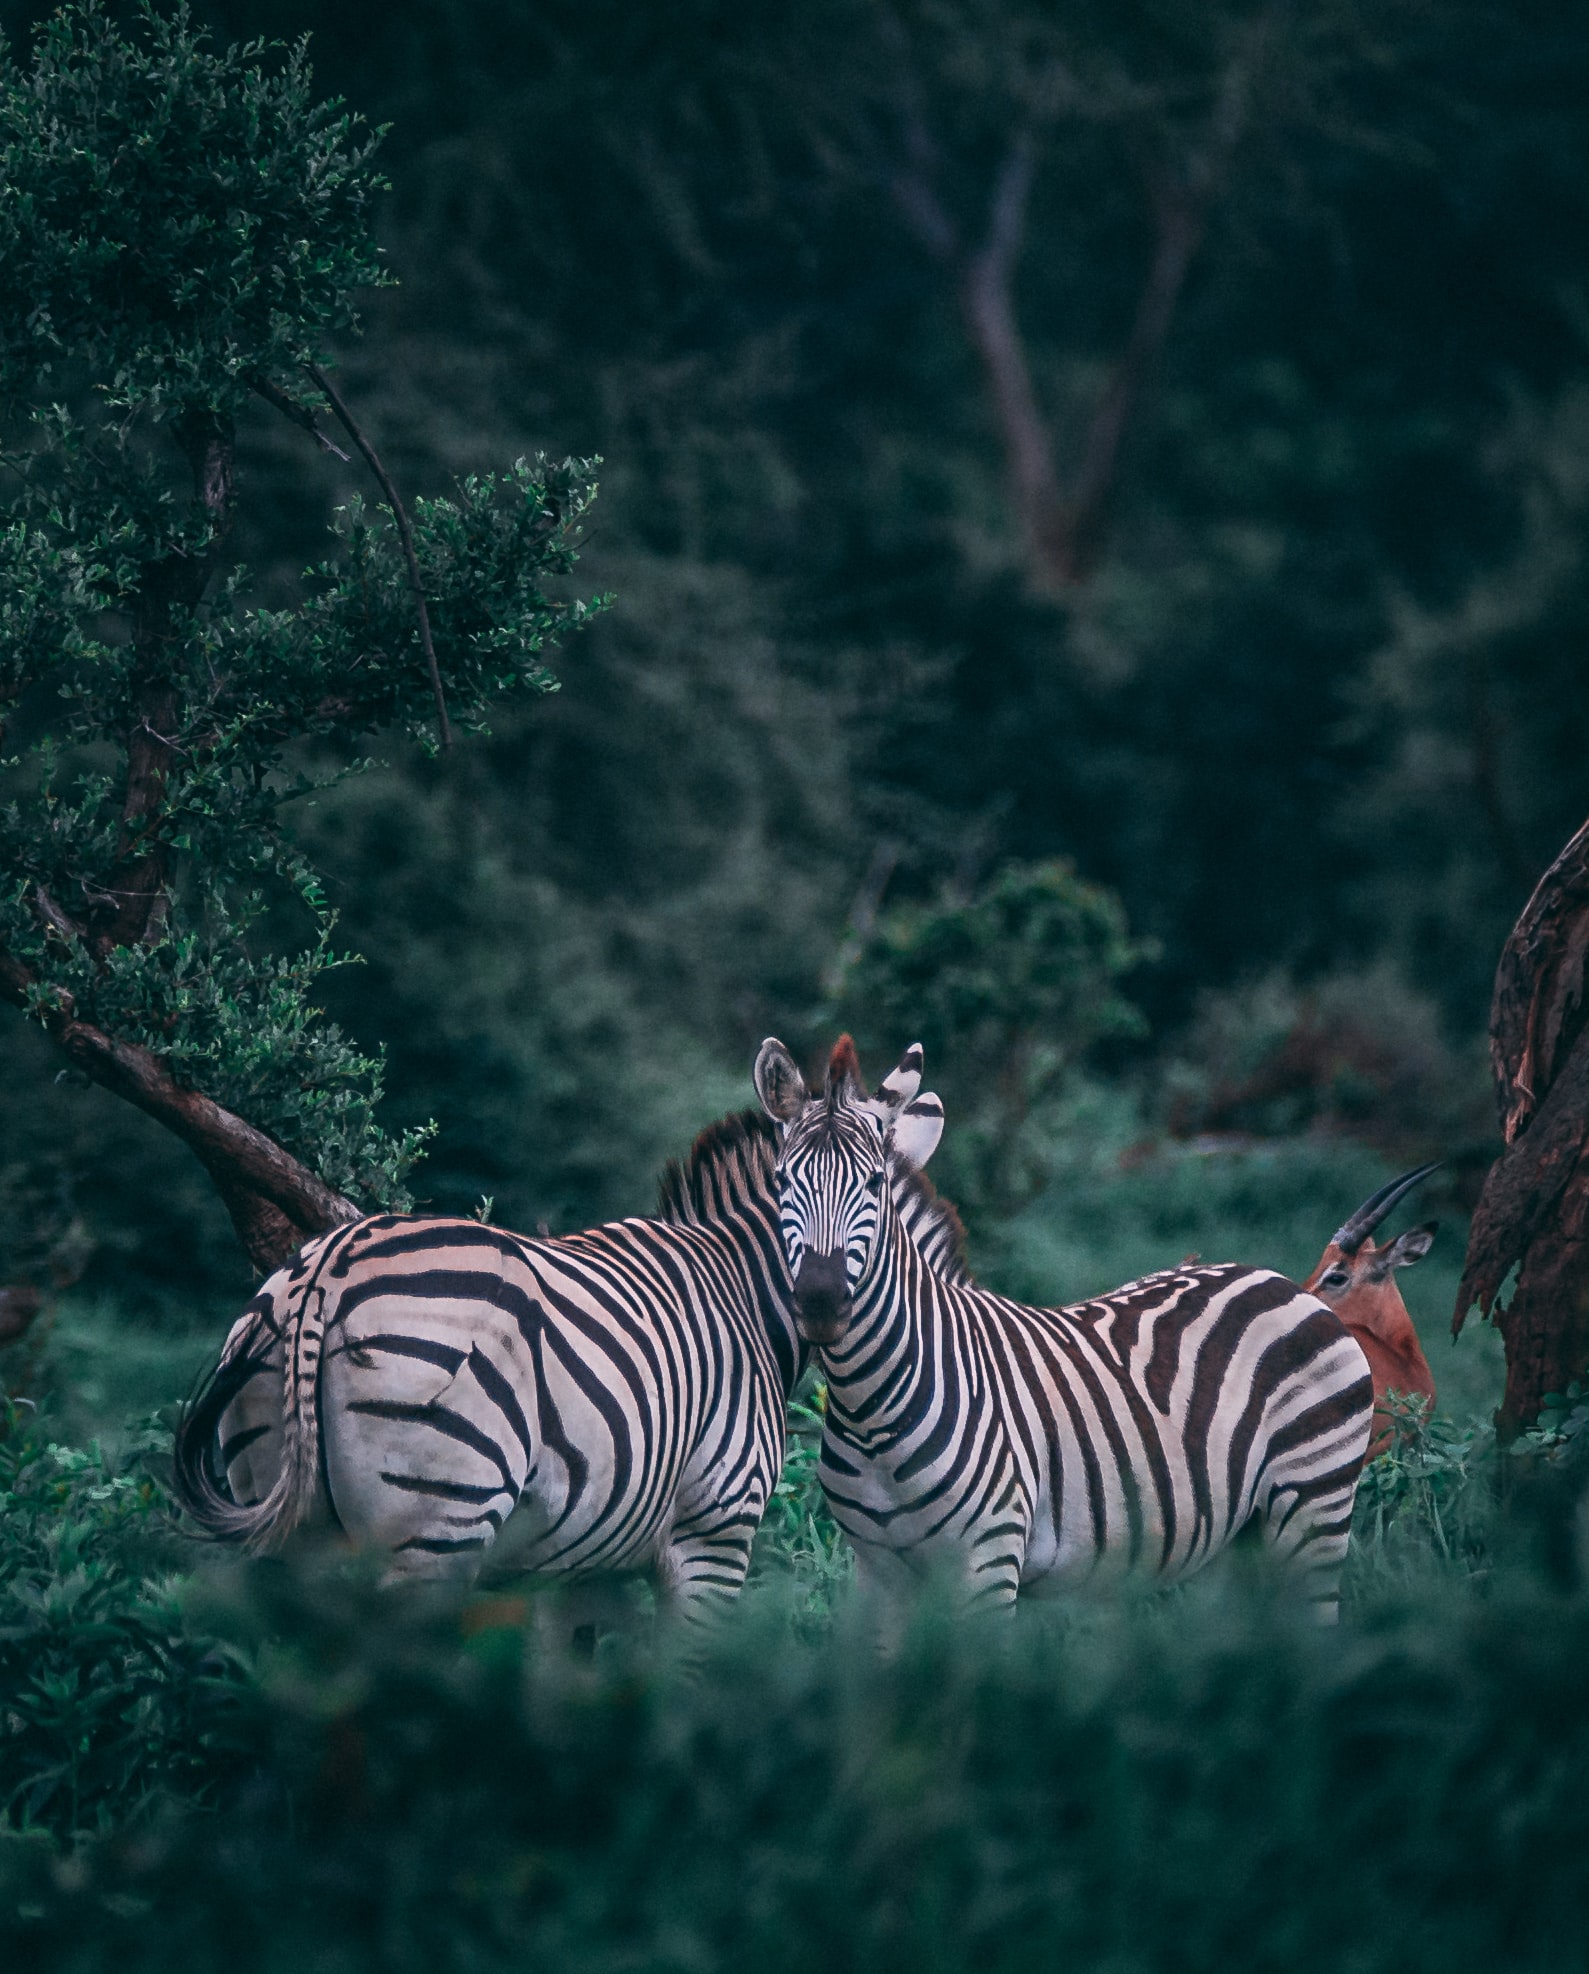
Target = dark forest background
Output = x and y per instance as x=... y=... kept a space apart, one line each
x=1303 y=685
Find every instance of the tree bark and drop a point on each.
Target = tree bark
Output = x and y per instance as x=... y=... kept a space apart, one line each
x=1534 y=1210
x=134 y=902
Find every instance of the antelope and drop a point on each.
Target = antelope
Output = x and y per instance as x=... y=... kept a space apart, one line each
x=1358 y=1281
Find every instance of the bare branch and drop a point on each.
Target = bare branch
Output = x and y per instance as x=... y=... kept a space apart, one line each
x=300 y=415
x=405 y=535
x=53 y=915
x=924 y=212
x=987 y=302
x=1062 y=523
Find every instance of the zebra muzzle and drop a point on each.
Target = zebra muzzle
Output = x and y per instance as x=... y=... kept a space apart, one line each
x=821 y=1297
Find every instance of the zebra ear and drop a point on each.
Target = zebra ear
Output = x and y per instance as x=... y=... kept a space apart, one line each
x=779 y=1084
x=902 y=1081
x=916 y=1131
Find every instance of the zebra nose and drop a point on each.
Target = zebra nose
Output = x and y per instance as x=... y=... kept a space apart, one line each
x=822 y=1297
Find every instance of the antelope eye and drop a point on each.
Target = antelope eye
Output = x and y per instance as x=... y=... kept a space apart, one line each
x=1336 y=1279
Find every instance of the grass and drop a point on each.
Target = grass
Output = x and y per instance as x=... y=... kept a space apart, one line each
x=210 y=1762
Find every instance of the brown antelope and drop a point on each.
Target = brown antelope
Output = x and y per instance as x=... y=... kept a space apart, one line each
x=1358 y=1281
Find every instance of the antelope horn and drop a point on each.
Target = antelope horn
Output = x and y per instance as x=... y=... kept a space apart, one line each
x=1350 y=1237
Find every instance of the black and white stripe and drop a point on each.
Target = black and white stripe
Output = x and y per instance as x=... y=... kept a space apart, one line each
x=619 y=1393
x=1023 y=1446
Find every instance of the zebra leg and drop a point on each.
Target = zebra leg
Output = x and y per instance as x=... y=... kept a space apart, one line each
x=699 y=1572
x=888 y=1585
x=569 y=1615
x=1308 y=1526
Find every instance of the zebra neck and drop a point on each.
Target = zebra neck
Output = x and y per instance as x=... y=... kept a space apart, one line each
x=873 y=1371
x=725 y=1188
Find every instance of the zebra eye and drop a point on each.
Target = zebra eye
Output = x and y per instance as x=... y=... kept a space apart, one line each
x=875 y=1183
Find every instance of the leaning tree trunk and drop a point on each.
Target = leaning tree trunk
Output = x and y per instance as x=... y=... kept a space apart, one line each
x=1534 y=1211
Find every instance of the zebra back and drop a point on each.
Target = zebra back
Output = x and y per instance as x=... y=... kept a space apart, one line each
x=420 y=1377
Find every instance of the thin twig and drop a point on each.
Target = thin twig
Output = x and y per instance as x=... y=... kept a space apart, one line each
x=405 y=535
x=299 y=414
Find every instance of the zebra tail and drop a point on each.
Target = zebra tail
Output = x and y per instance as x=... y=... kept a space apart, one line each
x=198 y=1478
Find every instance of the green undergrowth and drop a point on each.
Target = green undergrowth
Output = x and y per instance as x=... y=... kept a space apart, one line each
x=335 y=1776
x=207 y=1761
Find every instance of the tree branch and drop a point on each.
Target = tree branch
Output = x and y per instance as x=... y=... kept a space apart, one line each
x=987 y=303
x=1181 y=210
x=405 y=535
x=300 y=415
x=275 y=1202
x=1063 y=524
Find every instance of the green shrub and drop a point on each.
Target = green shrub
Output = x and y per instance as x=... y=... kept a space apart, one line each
x=1005 y=988
x=108 y=1702
x=1191 y=1782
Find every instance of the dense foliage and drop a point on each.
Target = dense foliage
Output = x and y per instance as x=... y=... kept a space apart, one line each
x=181 y=232
x=1314 y=714
x=284 y=1762
x=1005 y=988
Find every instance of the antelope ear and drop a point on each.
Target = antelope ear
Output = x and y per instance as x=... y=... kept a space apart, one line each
x=779 y=1084
x=916 y=1131
x=1412 y=1246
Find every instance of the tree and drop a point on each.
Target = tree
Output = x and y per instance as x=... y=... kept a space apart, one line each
x=1533 y=1214
x=1005 y=988
x=967 y=104
x=182 y=233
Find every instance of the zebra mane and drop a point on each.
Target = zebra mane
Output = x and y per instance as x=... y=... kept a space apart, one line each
x=933 y=1225
x=732 y=1161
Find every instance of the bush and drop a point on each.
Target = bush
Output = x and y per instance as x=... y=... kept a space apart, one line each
x=110 y=1703
x=1189 y=1782
x=1006 y=988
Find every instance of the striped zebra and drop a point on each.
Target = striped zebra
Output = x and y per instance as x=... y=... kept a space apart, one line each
x=620 y=1392
x=1023 y=1446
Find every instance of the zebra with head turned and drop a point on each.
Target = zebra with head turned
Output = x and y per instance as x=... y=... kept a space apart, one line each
x=1021 y=1446
x=619 y=1393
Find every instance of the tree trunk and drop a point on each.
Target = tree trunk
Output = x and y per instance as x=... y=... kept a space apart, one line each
x=1534 y=1211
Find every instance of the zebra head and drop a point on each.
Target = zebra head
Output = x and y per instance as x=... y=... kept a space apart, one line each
x=839 y=1149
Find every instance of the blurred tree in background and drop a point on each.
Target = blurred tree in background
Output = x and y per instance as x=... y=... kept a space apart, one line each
x=1005 y=989
x=1300 y=300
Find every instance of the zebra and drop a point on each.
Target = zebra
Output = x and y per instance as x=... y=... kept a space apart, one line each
x=620 y=1393
x=1021 y=1446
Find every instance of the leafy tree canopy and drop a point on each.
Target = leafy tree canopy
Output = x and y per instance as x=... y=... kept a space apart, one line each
x=182 y=230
